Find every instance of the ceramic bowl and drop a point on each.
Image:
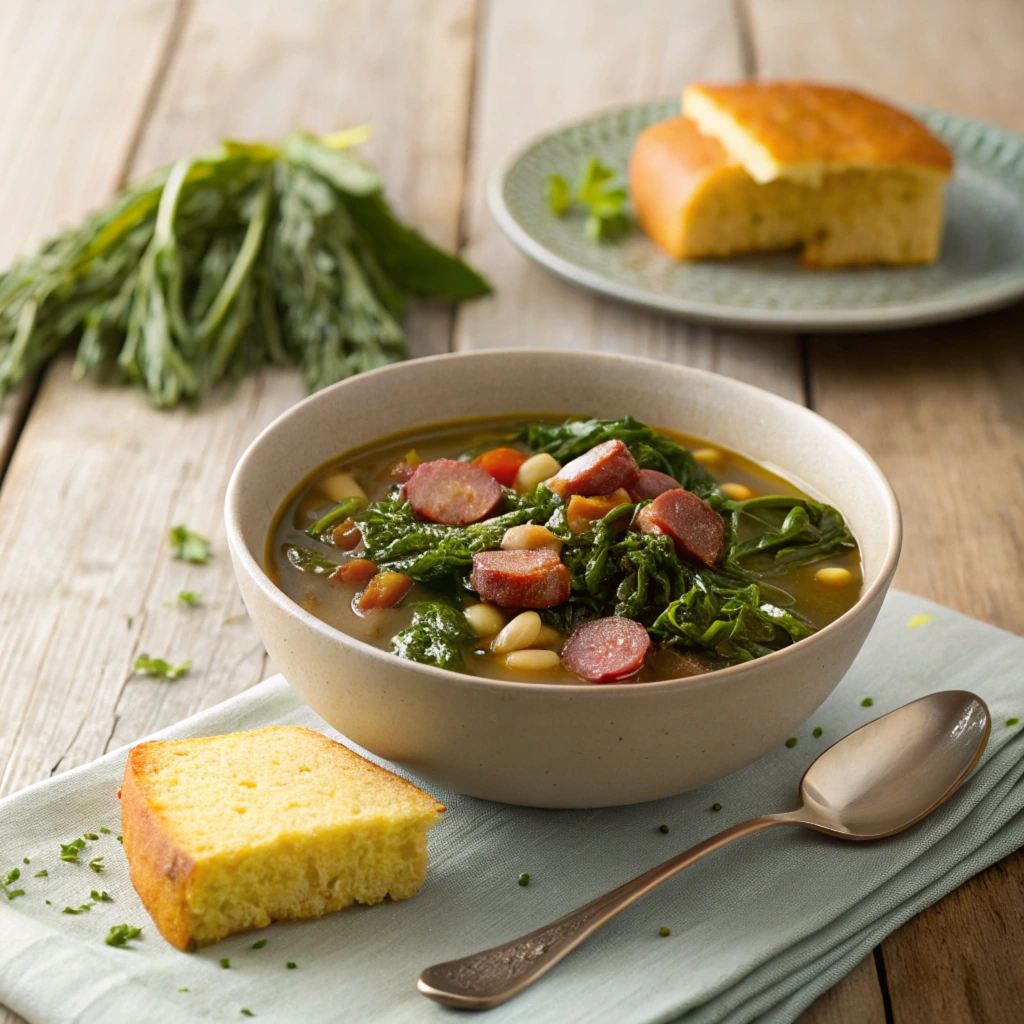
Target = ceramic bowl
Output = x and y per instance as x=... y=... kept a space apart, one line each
x=540 y=744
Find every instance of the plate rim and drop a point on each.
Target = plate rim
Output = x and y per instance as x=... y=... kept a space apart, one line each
x=769 y=321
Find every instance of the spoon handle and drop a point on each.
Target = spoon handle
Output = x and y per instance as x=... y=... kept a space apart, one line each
x=488 y=978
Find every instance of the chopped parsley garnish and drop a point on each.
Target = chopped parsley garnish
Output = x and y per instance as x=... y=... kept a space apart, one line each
x=817 y=732
x=600 y=192
x=25 y=860
x=42 y=874
x=663 y=828
x=69 y=851
x=96 y=865
x=225 y=963
x=247 y=1013
x=105 y=831
x=101 y=896
x=121 y=934
x=524 y=879
x=120 y=839
x=189 y=546
x=791 y=742
x=81 y=909
x=716 y=807
x=187 y=599
x=866 y=702
x=147 y=666
x=291 y=965
x=90 y=836
x=12 y=876
x=183 y=989
x=259 y=944
x=1011 y=722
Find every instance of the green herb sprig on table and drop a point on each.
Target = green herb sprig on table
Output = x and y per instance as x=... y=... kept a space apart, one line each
x=9 y=879
x=600 y=192
x=206 y=270
x=189 y=546
x=161 y=668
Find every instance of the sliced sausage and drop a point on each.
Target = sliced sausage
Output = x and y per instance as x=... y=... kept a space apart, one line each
x=521 y=579
x=697 y=529
x=452 y=492
x=605 y=650
x=651 y=484
x=603 y=469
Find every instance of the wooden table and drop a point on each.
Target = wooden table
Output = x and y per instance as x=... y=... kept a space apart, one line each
x=96 y=91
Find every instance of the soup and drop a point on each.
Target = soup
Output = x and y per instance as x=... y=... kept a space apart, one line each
x=578 y=551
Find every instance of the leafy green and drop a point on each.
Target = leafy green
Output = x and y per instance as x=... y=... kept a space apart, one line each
x=576 y=436
x=599 y=192
x=436 y=636
x=209 y=268
x=147 y=666
x=306 y=560
x=340 y=511
x=189 y=546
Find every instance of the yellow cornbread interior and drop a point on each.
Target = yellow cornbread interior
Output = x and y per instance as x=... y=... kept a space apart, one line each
x=232 y=832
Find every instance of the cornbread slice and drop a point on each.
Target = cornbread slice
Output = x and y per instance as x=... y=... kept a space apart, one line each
x=766 y=166
x=228 y=833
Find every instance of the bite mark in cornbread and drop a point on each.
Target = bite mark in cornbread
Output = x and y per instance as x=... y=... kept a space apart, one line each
x=228 y=833
x=765 y=166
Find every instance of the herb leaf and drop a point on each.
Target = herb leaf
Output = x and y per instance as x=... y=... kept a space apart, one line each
x=147 y=666
x=189 y=546
x=187 y=599
x=600 y=193
x=121 y=934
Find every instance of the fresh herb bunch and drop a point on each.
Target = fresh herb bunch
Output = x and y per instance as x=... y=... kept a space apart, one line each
x=600 y=192
x=209 y=268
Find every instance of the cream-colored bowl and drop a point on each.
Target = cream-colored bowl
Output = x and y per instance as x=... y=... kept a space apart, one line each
x=535 y=743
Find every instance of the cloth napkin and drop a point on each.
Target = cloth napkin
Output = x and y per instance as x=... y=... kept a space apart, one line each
x=758 y=929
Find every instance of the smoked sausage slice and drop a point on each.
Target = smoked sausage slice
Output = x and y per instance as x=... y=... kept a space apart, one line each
x=697 y=529
x=605 y=468
x=652 y=482
x=521 y=579
x=452 y=492
x=606 y=650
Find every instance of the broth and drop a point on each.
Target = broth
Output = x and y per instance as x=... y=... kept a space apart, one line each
x=371 y=468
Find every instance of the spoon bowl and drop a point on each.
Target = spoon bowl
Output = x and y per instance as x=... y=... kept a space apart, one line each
x=877 y=781
x=896 y=770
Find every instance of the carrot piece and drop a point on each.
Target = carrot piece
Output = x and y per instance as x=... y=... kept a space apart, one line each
x=385 y=590
x=359 y=572
x=346 y=535
x=582 y=512
x=502 y=464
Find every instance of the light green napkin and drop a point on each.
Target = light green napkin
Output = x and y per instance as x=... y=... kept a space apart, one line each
x=758 y=930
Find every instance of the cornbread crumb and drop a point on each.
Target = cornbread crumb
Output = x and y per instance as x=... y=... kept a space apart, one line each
x=229 y=833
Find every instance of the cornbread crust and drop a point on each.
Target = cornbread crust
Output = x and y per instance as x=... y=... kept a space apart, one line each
x=799 y=130
x=696 y=202
x=229 y=833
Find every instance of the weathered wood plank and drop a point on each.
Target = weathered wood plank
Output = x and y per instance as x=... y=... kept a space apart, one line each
x=75 y=80
x=541 y=65
x=941 y=410
x=857 y=999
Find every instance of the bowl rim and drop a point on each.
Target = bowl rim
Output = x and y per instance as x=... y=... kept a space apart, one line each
x=244 y=559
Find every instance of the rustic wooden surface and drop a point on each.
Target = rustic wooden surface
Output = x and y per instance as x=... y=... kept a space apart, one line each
x=99 y=89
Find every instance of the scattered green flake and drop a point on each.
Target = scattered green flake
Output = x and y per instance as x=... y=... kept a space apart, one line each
x=866 y=702
x=524 y=878
x=183 y=989
x=189 y=546
x=663 y=931
x=101 y=897
x=122 y=934
x=817 y=732
x=225 y=962
x=69 y=851
x=716 y=807
x=186 y=599
x=247 y=1013
x=663 y=828
x=77 y=910
x=1011 y=722
x=13 y=893
x=919 y=620
x=159 y=667
x=119 y=839
x=96 y=865
x=90 y=836
x=260 y=944
x=25 y=860
x=12 y=876
x=105 y=831
x=49 y=904
x=791 y=742
x=42 y=874
x=291 y=965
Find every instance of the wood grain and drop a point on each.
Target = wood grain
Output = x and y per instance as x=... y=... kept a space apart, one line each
x=531 y=78
x=98 y=478
x=941 y=410
x=75 y=80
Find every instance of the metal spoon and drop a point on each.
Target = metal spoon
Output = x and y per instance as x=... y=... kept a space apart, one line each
x=878 y=781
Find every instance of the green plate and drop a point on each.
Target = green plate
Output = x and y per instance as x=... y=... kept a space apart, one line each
x=981 y=266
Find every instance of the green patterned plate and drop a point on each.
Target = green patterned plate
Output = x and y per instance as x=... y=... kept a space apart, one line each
x=981 y=266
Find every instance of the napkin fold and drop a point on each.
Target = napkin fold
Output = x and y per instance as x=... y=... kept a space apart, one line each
x=758 y=929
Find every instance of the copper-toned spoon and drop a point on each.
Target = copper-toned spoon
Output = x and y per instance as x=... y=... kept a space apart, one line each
x=878 y=781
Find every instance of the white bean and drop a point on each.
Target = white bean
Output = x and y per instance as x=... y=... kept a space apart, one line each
x=548 y=637
x=339 y=486
x=530 y=537
x=535 y=470
x=738 y=492
x=521 y=632
x=834 y=577
x=484 y=619
x=709 y=458
x=532 y=661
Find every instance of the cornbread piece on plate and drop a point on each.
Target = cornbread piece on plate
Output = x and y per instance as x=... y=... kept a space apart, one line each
x=764 y=166
x=228 y=833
